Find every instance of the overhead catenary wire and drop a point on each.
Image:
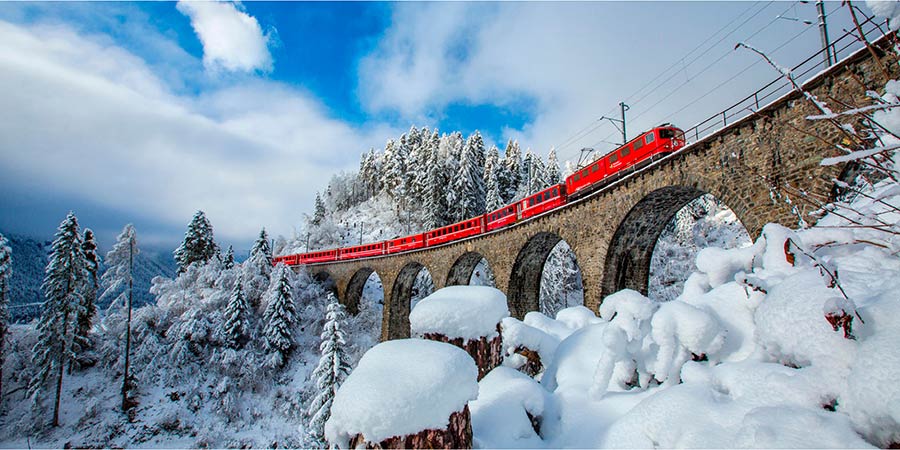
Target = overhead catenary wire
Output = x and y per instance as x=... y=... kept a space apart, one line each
x=730 y=52
x=677 y=64
x=706 y=68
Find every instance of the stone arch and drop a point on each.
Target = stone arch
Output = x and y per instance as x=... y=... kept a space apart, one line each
x=462 y=269
x=523 y=294
x=562 y=280
x=354 y=290
x=401 y=295
x=627 y=264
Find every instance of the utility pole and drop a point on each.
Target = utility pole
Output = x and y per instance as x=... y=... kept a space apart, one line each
x=360 y=233
x=307 y=242
x=823 y=32
x=618 y=122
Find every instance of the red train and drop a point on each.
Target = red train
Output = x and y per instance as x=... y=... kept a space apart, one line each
x=635 y=154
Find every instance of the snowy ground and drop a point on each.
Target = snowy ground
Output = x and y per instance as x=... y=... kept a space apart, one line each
x=745 y=357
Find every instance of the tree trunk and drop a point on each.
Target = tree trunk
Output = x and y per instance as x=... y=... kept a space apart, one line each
x=487 y=354
x=126 y=405
x=457 y=435
x=59 y=380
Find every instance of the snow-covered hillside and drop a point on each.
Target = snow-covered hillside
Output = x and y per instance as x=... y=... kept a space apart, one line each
x=192 y=389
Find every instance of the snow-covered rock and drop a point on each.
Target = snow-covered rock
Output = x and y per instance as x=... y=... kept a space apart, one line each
x=400 y=388
x=467 y=312
x=509 y=405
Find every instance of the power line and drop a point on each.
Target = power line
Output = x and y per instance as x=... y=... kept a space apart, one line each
x=695 y=59
x=594 y=124
x=723 y=83
x=729 y=52
x=634 y=102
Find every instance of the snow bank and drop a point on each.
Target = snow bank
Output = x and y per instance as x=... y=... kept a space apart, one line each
x=519 y=334
x=468 y=312
x=500 y=415
x=402 y=387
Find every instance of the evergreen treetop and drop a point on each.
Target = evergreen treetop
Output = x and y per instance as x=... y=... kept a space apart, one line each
x=119 y=262
x=228 y=262
x=199 y=244
x=262 y=248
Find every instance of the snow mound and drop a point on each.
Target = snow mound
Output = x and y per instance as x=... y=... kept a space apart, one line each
x=519 y=334
x=467 y=312
x=500 y=415
x=400 y=388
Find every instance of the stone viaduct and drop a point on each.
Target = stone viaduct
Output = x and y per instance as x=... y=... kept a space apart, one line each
x=613 y=231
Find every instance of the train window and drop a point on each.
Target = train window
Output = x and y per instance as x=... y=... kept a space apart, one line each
x=613 y=157
x=577 y=176
x=648 y=138
x=595 y=167
x=555 y=192
x=638 y=144
x=627 y=149
x=666 y=133
x=584 y=173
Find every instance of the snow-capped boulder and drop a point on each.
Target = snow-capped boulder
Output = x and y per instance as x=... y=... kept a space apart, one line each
x=466 y=316
x=408 y=393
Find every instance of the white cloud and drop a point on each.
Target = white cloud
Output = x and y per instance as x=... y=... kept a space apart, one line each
x=232 y=39
x=572 y=62
x=83 y=117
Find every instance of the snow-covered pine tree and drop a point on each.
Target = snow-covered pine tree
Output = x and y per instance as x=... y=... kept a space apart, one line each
x=493 y=200
x=415 y=168
x=525 y=175
x=449 y=153
x=262 y=248
x=319 y=213
x=366 y=172
x=118 y=281
x=236 y=316
x=89 y=295
x=475 y=151
x=491 y=161
x=332 y=370
x=463 y=188
x=433 y=205
x=66 y=275
x=553 y=173
x=538 y=175
x=279 y=317
x=257 y=270
x=561 y=285
x=5 y=274
x=228 y=262
x=393 y=170
x=199 y=245
x=511 y=177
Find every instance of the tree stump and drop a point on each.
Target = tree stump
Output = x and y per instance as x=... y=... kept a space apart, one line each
x=486 y=353
x=457 y=435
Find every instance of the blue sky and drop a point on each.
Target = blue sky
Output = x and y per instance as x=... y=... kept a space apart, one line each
x=146 y=112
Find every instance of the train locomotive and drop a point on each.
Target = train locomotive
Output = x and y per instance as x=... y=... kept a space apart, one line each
x=634 y=155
